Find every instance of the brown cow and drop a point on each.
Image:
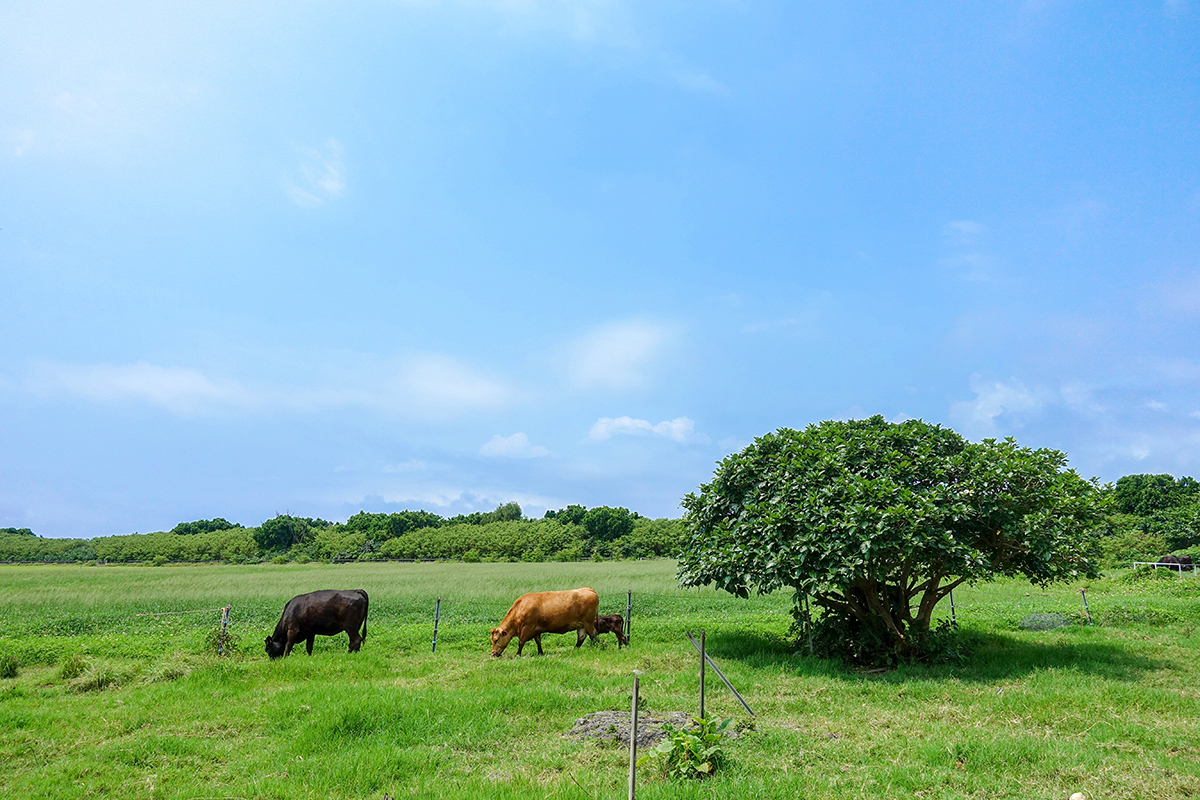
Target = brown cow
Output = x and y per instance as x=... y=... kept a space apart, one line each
x=608 y=623
x=546 y=612
x=327 y=613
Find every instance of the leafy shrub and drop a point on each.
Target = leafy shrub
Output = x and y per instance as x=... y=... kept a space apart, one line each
x=690 y=752
x=1122 y=549
x=8 y=667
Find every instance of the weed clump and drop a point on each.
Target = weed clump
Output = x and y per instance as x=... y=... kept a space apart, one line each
x=8 y=667
x=222 y=641
x=73 y=667
x=98 y=677
x=691 y=752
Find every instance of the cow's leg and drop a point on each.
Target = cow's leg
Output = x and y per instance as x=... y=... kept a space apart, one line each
x=590 y=627
x=579 y=634
x=537 y=637
x=308 y=644
x=291 y=640
x=520 y=645
x=355 y=640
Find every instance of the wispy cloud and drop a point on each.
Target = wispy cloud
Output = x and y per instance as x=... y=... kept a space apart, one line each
x=963 y=232
x=806 y=321
x=515 y=446
x=319 y=177
x=966 y=259
x=680 y=429
x=621 y=355
x=437 y=385
x=412 y=465
x=994 y=399
x=424 y=386
x=181 y=390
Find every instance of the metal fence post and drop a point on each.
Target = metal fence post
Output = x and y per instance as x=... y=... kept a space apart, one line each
x=1086 y=610
x=953 y=616
x=633 y=720
x=628 y=615
x=437 y=613
x=702 y=657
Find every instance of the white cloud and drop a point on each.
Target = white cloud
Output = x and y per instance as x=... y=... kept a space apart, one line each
x=424 y=386
x=732 y=444
x=438 y=384
x=621 y=355
x=1181 y=296
x=515 y=446
x=1155 y=405
x=178 y=389
x=963 y=232
x=412 y=465
x=321 y=176
x=993 y=399
x=680 y=429
x=696 y=80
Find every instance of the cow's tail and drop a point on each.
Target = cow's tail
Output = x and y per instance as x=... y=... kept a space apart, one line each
x=367 y=600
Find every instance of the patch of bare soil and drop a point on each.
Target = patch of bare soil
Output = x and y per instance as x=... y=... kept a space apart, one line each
x=613 y=726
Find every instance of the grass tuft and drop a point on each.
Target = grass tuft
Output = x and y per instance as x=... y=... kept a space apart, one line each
x=8 y=667
x=98 y=677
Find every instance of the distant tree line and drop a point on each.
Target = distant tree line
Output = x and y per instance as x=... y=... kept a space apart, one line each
x=1152 y=516
x=503 y=534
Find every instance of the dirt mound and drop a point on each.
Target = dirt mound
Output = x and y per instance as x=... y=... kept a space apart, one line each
x=613 y=726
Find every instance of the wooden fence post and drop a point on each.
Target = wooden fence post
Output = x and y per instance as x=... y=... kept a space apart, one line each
x=223 y=637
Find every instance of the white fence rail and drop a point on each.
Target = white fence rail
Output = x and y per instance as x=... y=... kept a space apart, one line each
x=1182 y=569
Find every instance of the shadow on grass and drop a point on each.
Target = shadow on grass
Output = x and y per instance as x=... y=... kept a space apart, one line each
x=995 y=657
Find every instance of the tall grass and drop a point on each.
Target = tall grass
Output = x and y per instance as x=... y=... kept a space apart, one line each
x=1110 y=709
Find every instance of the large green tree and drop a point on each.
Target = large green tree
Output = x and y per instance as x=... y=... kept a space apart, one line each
x=878 y=522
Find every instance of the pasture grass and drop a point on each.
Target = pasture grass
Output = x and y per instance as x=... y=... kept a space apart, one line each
x=109 y=704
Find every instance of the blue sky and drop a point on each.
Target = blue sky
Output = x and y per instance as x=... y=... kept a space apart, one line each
x=314 y=258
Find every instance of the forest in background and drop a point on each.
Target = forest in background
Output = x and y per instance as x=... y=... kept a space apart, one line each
x=569 y=534
x=1150 y=516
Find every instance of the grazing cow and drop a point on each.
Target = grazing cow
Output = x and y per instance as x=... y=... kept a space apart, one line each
x=1176 y=563
x=325 y=613
x=608 y=623
x=546 y=612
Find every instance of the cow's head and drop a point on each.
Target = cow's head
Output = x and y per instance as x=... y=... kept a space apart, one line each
x=500 y=640
x=274 y=648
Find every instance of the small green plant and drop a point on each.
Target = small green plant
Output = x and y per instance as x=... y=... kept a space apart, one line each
x=73 y=667
x=691 y=752
x=221 y=641
x=8 y=667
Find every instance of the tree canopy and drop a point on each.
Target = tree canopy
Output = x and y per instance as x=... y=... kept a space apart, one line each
x=877 y=522
x=1146 y=494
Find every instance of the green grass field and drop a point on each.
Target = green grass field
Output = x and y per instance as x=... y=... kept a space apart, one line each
x=111 y=704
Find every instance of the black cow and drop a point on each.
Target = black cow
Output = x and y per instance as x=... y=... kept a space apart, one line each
x=325 y=613
x=1176 y=563
x=608 y=623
